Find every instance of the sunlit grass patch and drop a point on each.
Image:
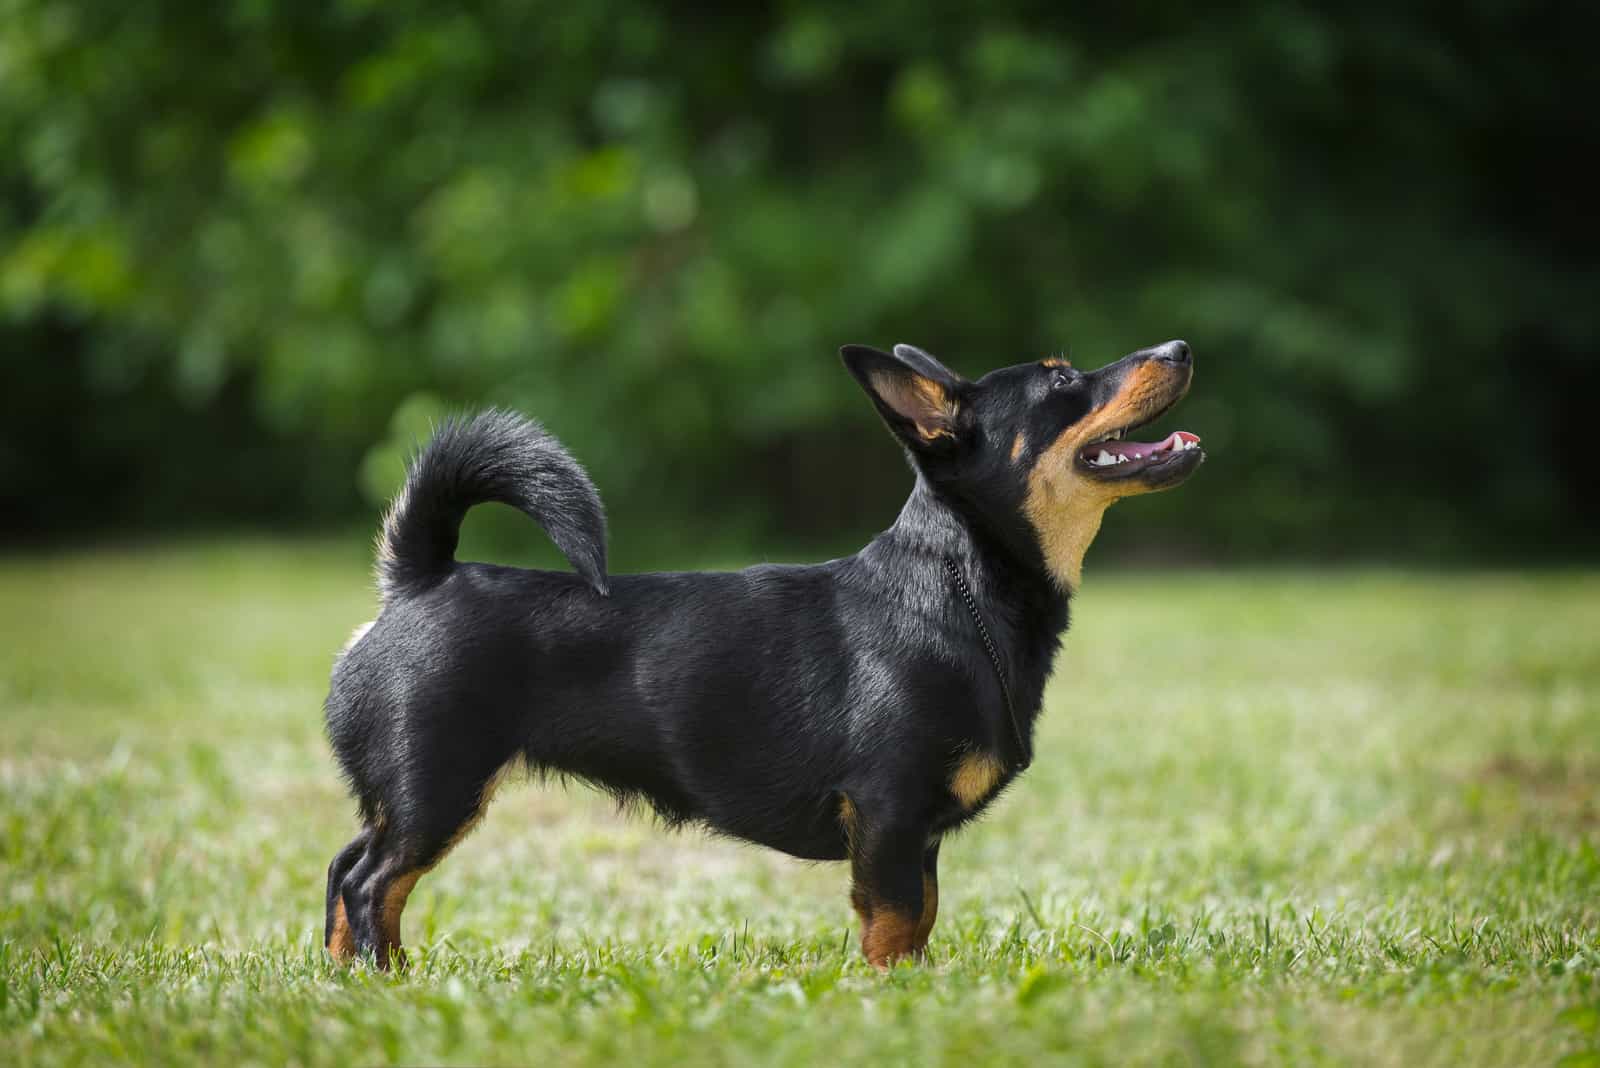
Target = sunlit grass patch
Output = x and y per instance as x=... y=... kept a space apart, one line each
x=1273 y=817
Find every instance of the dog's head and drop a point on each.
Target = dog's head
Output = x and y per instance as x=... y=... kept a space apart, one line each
x=1038 y=451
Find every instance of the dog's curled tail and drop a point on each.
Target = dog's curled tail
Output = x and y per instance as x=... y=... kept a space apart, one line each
x=494 y=456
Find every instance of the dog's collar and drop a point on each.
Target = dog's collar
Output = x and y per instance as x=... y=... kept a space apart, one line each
x=1024 y=754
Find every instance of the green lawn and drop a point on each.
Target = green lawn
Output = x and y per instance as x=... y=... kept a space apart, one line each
x=1297 y=817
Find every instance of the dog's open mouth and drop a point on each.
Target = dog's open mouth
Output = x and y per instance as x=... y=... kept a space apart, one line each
x=1110 y=456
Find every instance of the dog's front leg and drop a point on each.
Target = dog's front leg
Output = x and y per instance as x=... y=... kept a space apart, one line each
x=887 y=881
x=930 y=899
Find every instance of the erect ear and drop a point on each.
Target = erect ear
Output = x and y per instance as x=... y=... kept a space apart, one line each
x=919 y=397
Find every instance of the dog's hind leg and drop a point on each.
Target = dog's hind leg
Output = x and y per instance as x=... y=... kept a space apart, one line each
x=375 y=894
x=412 y=841
x=336 y=934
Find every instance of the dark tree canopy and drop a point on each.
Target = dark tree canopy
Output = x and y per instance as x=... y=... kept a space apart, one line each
x=247 y=249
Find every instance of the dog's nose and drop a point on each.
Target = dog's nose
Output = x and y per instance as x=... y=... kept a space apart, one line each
x=1175 y=352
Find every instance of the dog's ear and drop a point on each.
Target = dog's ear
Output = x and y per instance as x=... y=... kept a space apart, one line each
x=919 y=397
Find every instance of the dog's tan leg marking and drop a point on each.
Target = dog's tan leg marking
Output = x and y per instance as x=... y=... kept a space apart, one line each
x=930 y=912
x=395 y=896
x=399 y=890
x=342 y=946
x=850 y=821
x=888 y=926
x=887 y=933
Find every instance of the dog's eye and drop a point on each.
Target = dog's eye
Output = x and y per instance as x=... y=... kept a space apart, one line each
x=1064 y=378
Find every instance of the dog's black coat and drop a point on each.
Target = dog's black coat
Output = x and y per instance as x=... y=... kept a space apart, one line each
x=815 y=709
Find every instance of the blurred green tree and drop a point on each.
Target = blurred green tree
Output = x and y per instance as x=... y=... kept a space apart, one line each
x=247 y=249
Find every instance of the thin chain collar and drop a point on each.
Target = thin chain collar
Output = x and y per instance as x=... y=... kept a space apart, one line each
x=1024 y=757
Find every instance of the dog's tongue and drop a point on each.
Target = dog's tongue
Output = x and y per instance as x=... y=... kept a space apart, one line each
x=1127 y=451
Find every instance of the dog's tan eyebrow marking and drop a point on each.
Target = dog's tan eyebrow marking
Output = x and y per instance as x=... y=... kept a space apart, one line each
x=1017 y=445
x=1054 y=361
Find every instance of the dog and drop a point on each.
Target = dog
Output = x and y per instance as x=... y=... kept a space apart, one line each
x=859 y=709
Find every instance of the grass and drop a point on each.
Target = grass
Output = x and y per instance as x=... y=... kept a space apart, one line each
x=1299 y=817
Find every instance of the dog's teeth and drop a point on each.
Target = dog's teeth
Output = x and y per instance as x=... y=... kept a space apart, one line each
x=1104 y=458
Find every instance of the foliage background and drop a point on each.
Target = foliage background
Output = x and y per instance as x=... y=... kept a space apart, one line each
x=248 y=249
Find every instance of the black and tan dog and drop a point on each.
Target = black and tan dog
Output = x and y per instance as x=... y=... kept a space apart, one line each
x=855 y=710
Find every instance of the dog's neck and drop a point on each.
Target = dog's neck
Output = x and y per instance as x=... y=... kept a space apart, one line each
x=932 y=524
x=1019 y=594
x=1022 y=606
x=929 y=525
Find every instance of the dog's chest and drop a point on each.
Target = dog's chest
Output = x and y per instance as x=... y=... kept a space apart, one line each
x=974 y=780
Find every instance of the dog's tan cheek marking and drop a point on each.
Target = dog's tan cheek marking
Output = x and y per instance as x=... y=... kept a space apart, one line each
x=1066 y=522
x=975 y=778
x=1066 y=507
x=1017 y=446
